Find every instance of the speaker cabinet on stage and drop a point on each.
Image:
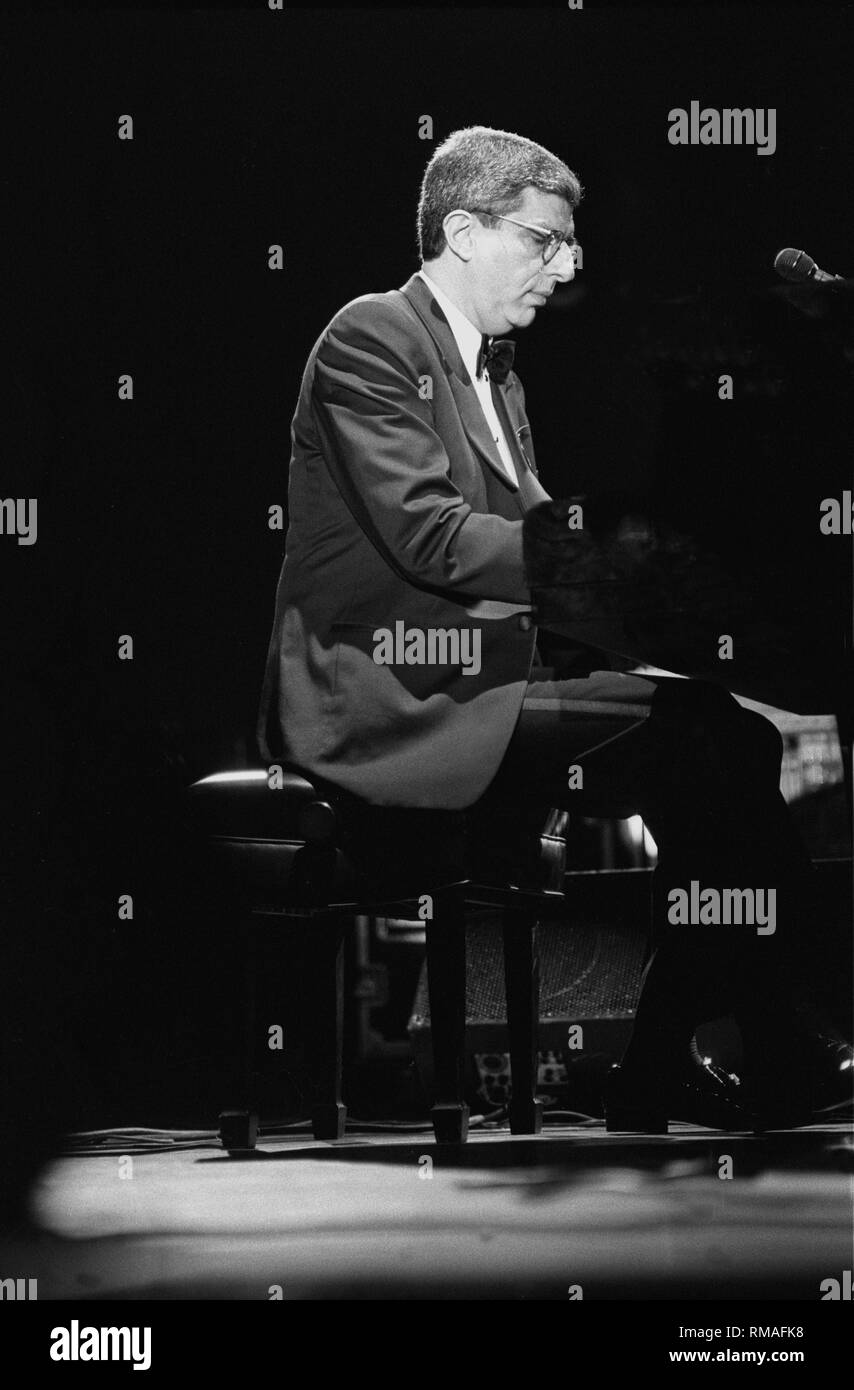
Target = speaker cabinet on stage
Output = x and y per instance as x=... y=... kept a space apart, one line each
x=590 y=973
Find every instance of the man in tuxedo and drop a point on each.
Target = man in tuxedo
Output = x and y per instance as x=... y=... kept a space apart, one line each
x=412 y=469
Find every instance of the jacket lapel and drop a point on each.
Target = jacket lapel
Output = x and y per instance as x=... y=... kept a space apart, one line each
x=417 y=293
x=531 y=490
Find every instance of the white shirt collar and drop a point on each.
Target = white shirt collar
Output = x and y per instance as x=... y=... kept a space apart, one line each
x=468 y=337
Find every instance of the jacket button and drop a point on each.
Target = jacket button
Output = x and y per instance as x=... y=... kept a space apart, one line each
x=526 y=622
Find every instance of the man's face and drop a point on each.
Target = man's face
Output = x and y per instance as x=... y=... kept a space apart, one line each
x=508 y=281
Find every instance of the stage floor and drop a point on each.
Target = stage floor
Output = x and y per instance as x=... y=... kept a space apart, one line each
x=390 y=1215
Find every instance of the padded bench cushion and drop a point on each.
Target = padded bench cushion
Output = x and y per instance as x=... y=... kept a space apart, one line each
x=375 y=850
x=243 y=804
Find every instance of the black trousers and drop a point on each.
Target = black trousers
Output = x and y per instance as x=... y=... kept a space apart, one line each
x=704 y=774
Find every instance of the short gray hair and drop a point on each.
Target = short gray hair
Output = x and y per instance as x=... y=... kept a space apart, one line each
x=483 y=168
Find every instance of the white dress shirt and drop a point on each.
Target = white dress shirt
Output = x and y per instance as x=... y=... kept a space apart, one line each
x=468 y=341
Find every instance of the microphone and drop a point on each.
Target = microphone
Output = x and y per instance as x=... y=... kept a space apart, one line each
x=798 y=267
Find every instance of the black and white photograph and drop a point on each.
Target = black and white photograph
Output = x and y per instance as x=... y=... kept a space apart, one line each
x=426 y=519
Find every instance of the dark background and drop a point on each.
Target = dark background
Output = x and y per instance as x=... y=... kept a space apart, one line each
x=150 y=257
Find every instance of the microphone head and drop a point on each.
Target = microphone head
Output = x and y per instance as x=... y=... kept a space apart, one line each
x=794 y=265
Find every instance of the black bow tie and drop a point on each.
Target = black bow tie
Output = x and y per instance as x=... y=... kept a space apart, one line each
x=496 y=358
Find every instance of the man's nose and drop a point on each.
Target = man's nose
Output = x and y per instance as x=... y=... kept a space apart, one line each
x=562 y=266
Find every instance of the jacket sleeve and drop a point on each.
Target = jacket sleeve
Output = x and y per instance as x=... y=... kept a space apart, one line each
x=391 y=466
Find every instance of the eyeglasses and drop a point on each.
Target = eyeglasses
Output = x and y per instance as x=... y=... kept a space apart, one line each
x=550 y=241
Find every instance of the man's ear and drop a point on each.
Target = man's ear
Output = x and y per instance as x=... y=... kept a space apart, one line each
x=457 y=226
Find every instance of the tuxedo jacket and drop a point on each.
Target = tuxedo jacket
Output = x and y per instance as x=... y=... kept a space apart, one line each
x=400 y=512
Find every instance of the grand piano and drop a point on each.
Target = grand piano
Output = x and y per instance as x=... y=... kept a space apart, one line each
x=767 y=627
x=728 y=541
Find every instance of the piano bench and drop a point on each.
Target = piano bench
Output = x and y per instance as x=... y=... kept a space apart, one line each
x=288 y=849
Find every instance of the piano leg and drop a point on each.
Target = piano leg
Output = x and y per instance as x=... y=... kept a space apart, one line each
x=844 y=723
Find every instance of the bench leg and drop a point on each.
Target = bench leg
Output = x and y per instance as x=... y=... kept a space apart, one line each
x=238 y=1130
x=522 y=977
x=238 y=1127
x=446 y=978
x=325 y=998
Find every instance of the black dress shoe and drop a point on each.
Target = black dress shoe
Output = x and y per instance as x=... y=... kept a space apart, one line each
x=832 y=1073
x=812 y=1083
x=637 y=1102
